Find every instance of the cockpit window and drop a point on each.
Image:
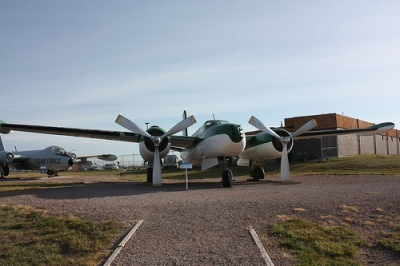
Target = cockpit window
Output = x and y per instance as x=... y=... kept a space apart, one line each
x=211 y=123
x=56 y=150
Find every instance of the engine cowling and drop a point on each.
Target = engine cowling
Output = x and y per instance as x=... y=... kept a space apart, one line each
x=278 y=144
x=263 y=147
x=6 y=157
x=147 y=147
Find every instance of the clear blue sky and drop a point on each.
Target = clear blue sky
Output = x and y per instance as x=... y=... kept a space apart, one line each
x=81 y=63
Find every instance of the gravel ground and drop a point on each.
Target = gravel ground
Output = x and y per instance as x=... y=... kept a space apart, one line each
x=209 y=225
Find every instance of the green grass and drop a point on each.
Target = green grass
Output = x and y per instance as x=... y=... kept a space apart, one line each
x=31 y=237
x=353 y=165
x=391 y=241
x=313 y=244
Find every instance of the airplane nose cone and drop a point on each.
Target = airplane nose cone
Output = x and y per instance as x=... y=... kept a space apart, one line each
x=70 y=162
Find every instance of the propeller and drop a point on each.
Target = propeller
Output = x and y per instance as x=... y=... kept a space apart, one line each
x=285 y=172
x=126 y=123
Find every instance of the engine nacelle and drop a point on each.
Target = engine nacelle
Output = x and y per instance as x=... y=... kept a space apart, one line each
x=263 y=147
x=4 y=130
x=147 y=147
x=6 y=157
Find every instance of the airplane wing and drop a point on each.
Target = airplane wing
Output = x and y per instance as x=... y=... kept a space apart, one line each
x=104 y=157
x=177 y=142
x=73 y=132
x=369 y=131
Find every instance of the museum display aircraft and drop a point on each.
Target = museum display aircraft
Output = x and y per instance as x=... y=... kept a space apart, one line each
x=50 y=160
x=215 y=142
x=272 y=143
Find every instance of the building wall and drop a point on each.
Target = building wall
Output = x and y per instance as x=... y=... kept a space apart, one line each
x=393 y=144
x=345 y=145
x=367 y=145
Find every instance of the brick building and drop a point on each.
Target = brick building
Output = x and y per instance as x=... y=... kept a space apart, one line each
x=341 y=145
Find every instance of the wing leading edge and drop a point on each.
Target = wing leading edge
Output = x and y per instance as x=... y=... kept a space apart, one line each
x=178 y=142
x=73 y=132
x=369 y=131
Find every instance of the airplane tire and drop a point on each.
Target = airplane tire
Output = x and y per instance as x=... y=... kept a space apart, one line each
x=6 y=170
x=258 y=173
x=149 y=175
x=226 y=179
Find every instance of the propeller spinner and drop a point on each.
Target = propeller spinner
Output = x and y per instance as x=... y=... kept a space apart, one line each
x=285 y=172
x=126 y=123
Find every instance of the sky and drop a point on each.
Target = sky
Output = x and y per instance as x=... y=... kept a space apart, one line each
x=81 y=63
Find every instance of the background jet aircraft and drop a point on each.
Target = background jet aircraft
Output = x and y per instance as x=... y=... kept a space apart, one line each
x=6 y=157
x=217 y=141
x=51 y=159
x=82 y=160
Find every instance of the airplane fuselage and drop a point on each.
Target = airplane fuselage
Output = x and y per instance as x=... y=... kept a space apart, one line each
x=42 y=159
x=215 y=139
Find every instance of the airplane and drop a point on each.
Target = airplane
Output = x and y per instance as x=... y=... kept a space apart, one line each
x=51 y=159
x=215 y=142
x=82 y=160
x=272 y=143
x=6 y=157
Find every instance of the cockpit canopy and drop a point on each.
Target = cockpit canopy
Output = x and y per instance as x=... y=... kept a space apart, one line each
x=57 y=150
x=211 y=123
x=208 y=124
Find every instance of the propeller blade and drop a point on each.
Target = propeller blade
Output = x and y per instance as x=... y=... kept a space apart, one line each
x=285 y=171
x=157 y=181
x=128 y=124
x=304 y=128
x=258 y=124
x=180 y=126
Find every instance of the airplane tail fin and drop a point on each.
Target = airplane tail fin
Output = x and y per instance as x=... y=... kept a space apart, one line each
x=184 y=116
x=1 y=145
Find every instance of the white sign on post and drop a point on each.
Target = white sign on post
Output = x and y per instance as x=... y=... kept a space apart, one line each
x=186 y=166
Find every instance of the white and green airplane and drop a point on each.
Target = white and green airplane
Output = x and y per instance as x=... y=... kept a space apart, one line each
x=215 y=142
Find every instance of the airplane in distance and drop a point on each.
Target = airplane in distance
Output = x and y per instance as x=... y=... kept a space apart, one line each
x=51 y=159
x=215 y=142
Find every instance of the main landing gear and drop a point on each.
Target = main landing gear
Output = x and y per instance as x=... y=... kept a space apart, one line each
x=4 y=170
x=51 y=173
x=227 y=175
x=256 y=172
